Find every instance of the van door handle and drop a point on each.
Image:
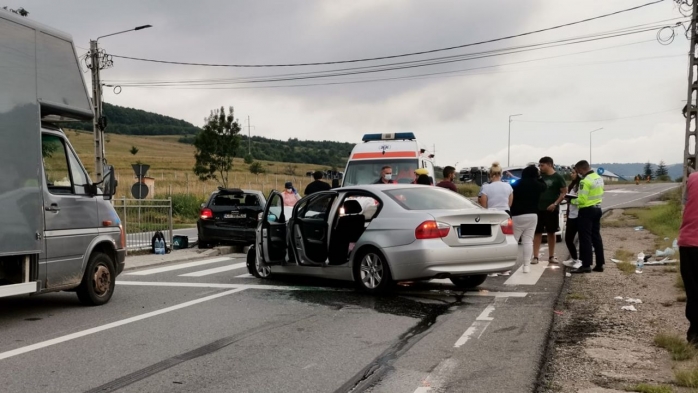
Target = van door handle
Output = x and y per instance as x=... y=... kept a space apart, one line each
x=53 y=208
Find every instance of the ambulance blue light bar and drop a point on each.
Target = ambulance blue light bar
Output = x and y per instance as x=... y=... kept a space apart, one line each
x=386 y=137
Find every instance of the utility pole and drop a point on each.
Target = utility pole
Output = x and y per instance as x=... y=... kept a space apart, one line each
x=591 y=132
x=689 y=159
x=95 y=66
x=434 y=153
x=509 y=141
x=249 y=137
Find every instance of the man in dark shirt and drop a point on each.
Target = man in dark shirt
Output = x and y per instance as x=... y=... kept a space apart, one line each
x=386 y=176
x=317 y=185
x=447 y=182
x=549 y=208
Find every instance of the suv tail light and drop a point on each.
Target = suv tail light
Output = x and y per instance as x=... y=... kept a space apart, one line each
x=206 y=214
x=432 y=230
x=507 y=227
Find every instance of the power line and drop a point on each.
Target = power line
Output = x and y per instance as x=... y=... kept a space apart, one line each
x=394 y=56
x=598 y=121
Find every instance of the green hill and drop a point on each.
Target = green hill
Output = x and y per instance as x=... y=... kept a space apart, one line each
x=129 y=121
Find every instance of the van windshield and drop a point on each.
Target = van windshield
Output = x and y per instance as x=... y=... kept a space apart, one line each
x=368 y=171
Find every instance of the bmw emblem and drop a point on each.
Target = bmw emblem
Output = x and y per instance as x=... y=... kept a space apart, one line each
x=477 y=219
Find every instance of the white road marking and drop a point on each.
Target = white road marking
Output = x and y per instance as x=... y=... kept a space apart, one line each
x=521 y=278
x=481 y=323
x=246 y=275
x=73 y=336
x=422 y=390
x=215 y=270
x=177 y=267
x=635 y=200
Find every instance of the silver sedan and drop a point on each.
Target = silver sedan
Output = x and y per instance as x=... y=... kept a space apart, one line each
x=376 y=235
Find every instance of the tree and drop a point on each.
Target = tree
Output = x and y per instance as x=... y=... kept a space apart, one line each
x=648 y=171
x=290 y=170
x=248 y=159
x=661 y=170
x=256 y=168
x=134 y=150
x=216 y=146
x=19 y=11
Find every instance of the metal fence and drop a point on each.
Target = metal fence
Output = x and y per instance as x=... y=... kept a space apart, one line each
x=141 y=218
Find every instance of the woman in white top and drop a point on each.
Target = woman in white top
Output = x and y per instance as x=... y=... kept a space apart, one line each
x=496 y=195
x=571 y=228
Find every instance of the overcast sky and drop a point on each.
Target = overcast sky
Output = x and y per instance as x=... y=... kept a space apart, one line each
x=464 y=115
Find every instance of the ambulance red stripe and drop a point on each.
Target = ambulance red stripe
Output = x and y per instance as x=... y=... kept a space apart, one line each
x=387 y=154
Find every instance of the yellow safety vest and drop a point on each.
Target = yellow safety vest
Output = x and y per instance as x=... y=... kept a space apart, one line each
x=590 y=191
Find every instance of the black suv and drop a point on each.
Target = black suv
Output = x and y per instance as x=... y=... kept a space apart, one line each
x=230 y=217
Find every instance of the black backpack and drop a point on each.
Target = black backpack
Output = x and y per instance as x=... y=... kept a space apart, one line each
x=156 y=236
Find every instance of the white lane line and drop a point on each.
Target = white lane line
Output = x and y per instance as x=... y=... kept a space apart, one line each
x=73 y=336
x=246 y=275
x=177 y=267
x=638 y=199
x=481 y=323
x=215 y=270
x=521 y=278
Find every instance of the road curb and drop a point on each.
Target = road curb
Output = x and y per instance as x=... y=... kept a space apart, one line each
x=175 y=258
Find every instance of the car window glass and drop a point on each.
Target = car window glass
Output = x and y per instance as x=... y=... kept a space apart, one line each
x=276 y=208
x=56 y=165
x=368 y=205
x=317 y=208
x=432 y=198
x=368 y=171
x=78 y=173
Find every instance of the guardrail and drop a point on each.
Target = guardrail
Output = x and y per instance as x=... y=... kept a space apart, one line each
x=141 y=218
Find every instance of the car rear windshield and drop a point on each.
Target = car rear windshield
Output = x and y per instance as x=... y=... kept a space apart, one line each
x=242 y=200
x=429 y=198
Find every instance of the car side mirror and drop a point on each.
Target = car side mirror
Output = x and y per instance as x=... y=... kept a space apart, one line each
x=109 y=182
x=271 y=218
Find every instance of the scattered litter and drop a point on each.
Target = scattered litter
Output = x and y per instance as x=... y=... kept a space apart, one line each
x=629 y=308
x=665 y=261
x=616 y=260
x=666 y=253
x=560 y=312
x=640 y=228
x=666 y=238
x=568 y=274
x=618 y=298
x=631 y=300
x=507 y=273
x=640 y=262
x=675 y=244
x=493 y=275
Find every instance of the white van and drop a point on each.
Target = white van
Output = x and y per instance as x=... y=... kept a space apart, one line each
x=400 y=151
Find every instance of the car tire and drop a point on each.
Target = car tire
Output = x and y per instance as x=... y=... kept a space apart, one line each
x=98 y=282
x=253 y=266
x=372 y=272
x=468 y=282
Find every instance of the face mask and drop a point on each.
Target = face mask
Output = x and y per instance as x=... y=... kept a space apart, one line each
x=388 y=176
x=289 y=189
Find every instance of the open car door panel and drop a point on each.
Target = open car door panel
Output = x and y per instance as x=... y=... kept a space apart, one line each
x=311 y=228
x=274 y=243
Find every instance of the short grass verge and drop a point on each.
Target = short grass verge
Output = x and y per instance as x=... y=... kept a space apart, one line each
x=679 y=283
x=576 y=296
x=626 y=267
x=687 y=378
x=623 y=255
x=679 y=348
x=681 y=298
x=647 y=388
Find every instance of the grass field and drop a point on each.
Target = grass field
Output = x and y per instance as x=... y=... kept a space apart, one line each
x=171 y=165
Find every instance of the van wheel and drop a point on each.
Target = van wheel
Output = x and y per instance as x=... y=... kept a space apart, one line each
x=371 y=272
x=253 y=266
x=98 y=282
x=467 y=282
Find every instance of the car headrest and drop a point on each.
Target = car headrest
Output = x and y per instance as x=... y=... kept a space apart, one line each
x=251 y=200
x=352 y=207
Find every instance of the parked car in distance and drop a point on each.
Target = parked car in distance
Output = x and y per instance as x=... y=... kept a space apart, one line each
x=378 y=234
x=230 y=217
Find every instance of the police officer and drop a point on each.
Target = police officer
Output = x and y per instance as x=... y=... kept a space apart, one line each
x=589 y=220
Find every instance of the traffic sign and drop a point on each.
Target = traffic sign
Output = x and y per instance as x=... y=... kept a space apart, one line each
x=139 y=190
x=600 y=171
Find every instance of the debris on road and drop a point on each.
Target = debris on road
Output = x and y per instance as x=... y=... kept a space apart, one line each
x=640 y=228
x=618 y=298
x=631 y=300
x=629 y=308
x=568 y=274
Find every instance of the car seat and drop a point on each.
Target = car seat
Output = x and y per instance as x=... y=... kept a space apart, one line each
x=349 y=229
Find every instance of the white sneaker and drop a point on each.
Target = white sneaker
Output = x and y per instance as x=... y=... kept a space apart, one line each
x=553 y=259
x=526 y=268
x=534 y=261
x=572 y=263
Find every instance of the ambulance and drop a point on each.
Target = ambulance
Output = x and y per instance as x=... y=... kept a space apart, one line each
x=400 y=151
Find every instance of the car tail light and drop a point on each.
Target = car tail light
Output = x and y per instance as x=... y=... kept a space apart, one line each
x=508 y=227
x=432 y=230
x=206 y=214
x=122 y=236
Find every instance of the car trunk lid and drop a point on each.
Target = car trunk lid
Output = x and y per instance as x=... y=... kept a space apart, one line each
x=472 y=226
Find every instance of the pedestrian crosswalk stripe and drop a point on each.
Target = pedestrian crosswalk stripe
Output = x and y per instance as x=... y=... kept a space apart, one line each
x=169 y=268
x=215 y=270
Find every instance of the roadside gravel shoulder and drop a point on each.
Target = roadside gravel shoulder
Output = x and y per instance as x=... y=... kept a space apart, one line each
x=597 y=346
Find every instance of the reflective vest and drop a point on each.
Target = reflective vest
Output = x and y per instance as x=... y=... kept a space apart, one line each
x=590 y=191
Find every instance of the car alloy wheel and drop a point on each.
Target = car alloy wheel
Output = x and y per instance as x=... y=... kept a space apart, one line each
x=371 y=270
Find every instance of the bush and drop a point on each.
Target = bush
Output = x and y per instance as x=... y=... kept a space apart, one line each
x=186 y=206
x=256 y=168
x=248 y=159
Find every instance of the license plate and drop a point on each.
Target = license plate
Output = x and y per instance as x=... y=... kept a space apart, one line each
x=233 y=215
x=475 y=230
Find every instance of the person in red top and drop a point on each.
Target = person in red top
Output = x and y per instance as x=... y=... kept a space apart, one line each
x=688 y=251
x=447 y=182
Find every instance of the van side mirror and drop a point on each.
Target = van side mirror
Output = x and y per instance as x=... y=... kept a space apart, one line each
x=109 y=182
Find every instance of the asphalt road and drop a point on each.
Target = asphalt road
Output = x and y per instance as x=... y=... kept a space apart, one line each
x=213 y=328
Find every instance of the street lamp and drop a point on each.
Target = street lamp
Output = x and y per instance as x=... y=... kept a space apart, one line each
x=509 y=143
x=98 y=123
x=591 y=132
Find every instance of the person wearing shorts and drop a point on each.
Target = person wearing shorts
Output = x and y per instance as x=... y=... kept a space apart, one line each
x=549 y=208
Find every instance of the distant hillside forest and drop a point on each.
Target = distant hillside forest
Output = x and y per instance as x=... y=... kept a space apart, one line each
x=129 y=121
x=293 y=150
